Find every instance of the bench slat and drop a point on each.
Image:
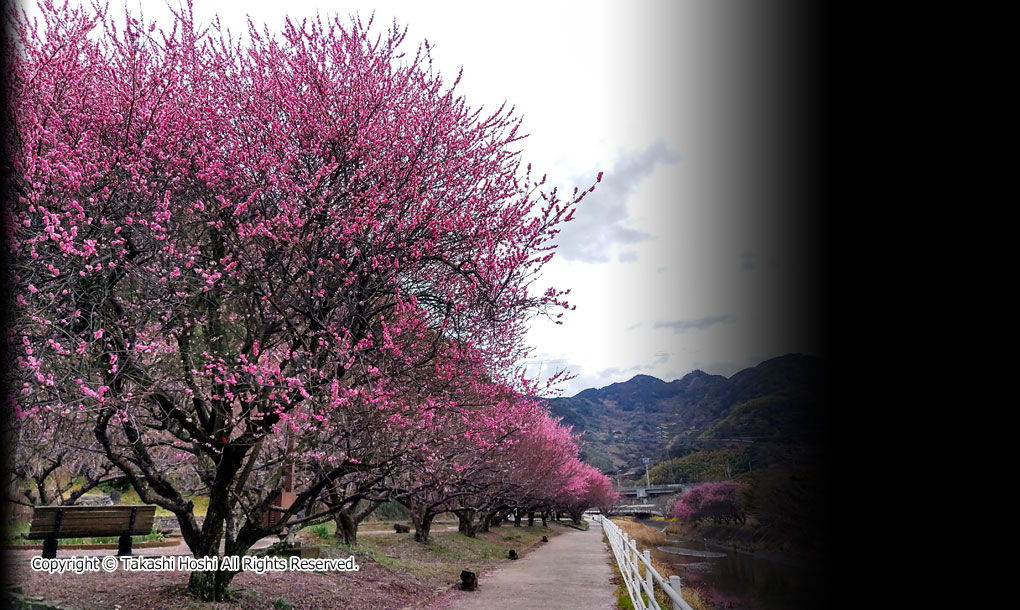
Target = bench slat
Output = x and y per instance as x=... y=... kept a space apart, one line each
x=119 y=508
x=85 y=533
x=139 y=521
x=88 y=518
x=88 y=521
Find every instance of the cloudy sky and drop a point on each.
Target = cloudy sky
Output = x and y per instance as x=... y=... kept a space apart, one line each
x=698 y=249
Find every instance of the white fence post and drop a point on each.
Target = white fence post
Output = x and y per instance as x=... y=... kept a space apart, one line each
x=674 y=582
x=636 y=571
x=648 y=575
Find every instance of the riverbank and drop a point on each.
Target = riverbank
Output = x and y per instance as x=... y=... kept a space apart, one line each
x=394 y=572
x=650 y=537
x=745 y=539
x=723 y=575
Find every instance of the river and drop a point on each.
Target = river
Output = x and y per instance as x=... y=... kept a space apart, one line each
x=748 y=581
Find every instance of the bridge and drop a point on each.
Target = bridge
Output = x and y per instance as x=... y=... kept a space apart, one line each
x=641 y=511
x=654 y=490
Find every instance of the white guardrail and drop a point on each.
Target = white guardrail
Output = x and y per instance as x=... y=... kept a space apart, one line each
x=627 y=558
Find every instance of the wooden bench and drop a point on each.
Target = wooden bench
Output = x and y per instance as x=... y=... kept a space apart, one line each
x=52 y=522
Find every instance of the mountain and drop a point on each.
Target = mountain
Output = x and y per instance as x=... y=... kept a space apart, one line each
x=771 y=407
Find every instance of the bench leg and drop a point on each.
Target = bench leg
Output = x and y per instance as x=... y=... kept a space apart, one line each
x=49 y=548
x=124 y=545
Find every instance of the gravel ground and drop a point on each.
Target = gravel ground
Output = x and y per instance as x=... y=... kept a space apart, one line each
x=370 y=587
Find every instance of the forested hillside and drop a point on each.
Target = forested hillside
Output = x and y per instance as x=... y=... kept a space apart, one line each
x=702 y=425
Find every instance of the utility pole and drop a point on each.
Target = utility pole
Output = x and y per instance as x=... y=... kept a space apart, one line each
x=648 y=482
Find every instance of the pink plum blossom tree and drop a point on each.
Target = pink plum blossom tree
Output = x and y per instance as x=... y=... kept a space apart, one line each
x=237 y=260
x=720 y=501
x=588 y=488
x=56 y=459
x=525 y=473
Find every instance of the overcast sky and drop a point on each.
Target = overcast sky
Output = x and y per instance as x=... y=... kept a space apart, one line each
x=690 y=254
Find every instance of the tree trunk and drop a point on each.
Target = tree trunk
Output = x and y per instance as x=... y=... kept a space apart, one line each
x=531 y=518
x=517 y=517
x=210 y=586
x=545 y=517
x=489 y=520
x=466 y=523
x=422 y=525
x=203 y=586
x=346 y=527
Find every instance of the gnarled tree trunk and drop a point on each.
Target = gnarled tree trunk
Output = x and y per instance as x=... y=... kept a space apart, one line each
x=346 y=527
x=422 y=520
x=467 y=523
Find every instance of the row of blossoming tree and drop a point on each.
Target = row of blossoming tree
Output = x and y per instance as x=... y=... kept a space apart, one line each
x=301 y=256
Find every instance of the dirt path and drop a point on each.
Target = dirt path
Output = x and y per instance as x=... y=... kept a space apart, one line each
x=572 y=571
x=448 y=528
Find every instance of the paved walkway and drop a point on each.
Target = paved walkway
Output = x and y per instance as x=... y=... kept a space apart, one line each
x=571 y=572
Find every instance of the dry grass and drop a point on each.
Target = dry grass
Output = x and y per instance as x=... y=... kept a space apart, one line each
x=447 y=553
x=694 y=599
x=645 y=535
x=679 y=527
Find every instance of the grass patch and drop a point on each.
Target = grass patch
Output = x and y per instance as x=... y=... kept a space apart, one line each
x=15 y=536
x=381 y=526
x=201 y=503
x=583 y=525
x=14 y=533
x=446 y=553
x=327 y=530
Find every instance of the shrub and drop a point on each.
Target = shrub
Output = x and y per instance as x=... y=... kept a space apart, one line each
x=721 y=502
